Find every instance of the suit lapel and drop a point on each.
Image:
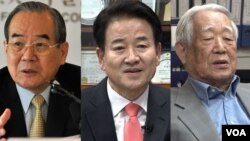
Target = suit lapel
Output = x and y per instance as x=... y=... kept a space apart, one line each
x=100 y=116
x=10 y=99
x=192 y=108
x=158 y=115
x=244 y=95
x=55 y=121
x=59 y=122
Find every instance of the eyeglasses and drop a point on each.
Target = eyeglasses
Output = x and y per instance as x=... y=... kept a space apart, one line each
x=40 y=48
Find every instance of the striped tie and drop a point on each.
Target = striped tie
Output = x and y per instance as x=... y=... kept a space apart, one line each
x=37 y=127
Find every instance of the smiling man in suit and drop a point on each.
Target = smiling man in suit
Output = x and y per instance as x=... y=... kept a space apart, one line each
x=36 y=50
x=128 y=35
x=212 y=95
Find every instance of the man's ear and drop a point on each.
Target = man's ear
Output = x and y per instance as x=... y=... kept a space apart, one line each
x=100 y=55
x=64 y=47
x=158 y=54
x=5 y=46
x=180 y=50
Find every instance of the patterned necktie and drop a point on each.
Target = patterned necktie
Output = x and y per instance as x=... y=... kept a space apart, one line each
x=133 y=130
x=37 y=126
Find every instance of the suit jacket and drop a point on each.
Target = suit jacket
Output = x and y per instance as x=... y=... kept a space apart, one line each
x=97 y=118
x=189 y=118
x=59 y=120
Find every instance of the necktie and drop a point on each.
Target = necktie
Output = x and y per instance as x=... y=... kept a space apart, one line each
x=37 y=126
x=132 y=130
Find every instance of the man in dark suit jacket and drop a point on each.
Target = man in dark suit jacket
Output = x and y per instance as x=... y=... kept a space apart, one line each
x=60 y=122
x=36 y=50
x=212 y=96
x=128 y=34
x=98 y=123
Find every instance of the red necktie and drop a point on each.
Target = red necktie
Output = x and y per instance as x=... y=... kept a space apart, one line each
x=132 y=130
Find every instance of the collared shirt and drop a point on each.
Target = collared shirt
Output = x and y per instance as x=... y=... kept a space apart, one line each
x=120 y=117
x=223 y=107
x=29 y=110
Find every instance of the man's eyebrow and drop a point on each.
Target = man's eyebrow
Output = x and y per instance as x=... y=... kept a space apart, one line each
x=16 y=35
x=142 y=38
x=228 y=29
x=44 y=36
x=118 y=40
x=208 y=28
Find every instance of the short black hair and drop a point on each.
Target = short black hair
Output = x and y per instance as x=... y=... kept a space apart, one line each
x=34 y=6
x=125 y=8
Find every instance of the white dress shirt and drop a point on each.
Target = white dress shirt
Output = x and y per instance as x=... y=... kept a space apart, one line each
x=29 y=110
x=120 y=116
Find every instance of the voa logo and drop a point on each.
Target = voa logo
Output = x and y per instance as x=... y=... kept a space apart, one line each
x=236 y=132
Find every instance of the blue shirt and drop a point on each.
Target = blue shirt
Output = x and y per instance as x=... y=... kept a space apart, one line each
x=29 y=110
x=223 y=107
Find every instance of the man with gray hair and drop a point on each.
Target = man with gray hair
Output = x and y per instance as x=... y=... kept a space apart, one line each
x=36 y=50
x=212 y=95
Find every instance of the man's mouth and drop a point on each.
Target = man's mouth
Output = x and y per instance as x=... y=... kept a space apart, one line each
x=132 y=70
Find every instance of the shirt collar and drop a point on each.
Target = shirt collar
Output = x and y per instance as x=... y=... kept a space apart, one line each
x=205 y=91
x=118 y=102
x=26 y=96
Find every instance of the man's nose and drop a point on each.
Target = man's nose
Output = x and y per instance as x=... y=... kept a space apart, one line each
x=28 y=53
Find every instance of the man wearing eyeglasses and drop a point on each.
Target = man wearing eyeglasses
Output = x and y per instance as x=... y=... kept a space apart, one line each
x=36 y=50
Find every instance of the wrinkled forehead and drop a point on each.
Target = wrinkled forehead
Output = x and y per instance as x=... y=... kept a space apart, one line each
x=32 y=24
x=209 y=20
x=225 y=28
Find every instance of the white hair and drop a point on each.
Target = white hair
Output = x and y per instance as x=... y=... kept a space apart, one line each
x=184 y=30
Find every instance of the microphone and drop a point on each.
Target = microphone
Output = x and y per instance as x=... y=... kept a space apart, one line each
x=57 y=89
x=147 y=128
x=74 y=107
